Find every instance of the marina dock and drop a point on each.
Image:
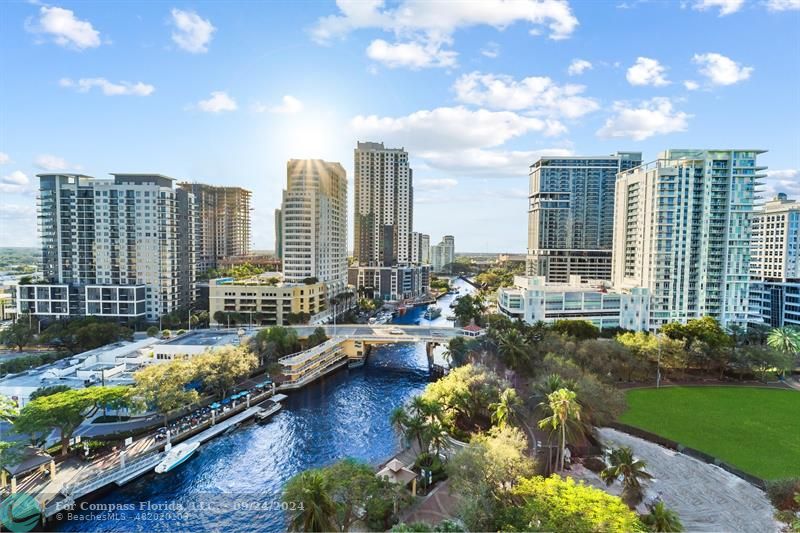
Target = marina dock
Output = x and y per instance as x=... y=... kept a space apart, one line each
x=130 y=470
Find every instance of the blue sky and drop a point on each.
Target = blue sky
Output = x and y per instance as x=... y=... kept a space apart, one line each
x=226 y=92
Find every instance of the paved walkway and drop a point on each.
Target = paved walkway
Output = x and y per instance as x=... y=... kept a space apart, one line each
x=439 y=505
x=706 y=497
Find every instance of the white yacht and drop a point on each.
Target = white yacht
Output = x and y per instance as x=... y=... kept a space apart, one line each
x=175 y=456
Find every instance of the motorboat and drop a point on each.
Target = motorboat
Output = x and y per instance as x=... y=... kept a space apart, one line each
x=269 y=409
x=176 y=456
x=432 y=312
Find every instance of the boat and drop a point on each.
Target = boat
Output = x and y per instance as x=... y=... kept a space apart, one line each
x=269 y=409
x=432 y=312
x=176 y=455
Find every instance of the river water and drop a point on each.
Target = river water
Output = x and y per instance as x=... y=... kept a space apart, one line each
x=234 y=482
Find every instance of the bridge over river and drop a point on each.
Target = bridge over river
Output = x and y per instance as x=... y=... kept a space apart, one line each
x=385 y=333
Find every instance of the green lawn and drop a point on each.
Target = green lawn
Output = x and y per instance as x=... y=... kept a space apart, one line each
x=754 y=429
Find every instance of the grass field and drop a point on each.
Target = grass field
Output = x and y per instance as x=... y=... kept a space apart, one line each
x=754 y=429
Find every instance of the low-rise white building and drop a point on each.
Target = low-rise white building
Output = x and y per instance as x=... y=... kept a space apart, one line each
x=532 y=300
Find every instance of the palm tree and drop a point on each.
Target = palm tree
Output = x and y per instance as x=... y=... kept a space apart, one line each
x=314 y=509
x=506 y=408
x=662 y=519
x=623 y=464
x=511 y=347
x=565 y=409
x=437 y=436
x=785 y=340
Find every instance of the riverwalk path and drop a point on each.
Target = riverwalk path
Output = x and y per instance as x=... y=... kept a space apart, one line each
x=706 y=497
x=78 y=477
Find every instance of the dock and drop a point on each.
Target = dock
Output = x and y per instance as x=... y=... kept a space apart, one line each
x=130 y=470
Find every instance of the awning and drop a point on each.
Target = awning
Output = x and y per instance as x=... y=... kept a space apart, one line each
x=31 y=459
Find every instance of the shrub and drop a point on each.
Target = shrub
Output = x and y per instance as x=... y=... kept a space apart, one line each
x=152 y=331
x=782 y=493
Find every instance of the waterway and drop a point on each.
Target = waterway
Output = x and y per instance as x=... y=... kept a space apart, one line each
x=234 y=482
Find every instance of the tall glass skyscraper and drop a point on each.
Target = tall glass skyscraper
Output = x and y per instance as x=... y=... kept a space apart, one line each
x=571 y=215
x=682 y=229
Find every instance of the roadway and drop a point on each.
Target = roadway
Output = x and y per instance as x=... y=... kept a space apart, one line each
x=219 y=337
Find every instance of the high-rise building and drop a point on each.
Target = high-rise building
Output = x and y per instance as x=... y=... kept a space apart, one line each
x=223 y=222
x=384 y=205
x=775 y=264
x=278 y=234
x=388 y=252
x=682 y=229
x=424 y=249
x=571 y=215
x=443 y=255
x=420 y=248
x=314 y=223
x=121 y=247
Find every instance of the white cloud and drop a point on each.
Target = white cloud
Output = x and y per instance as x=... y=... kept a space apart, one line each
x=15 y=212
x=651 y=117
x=4 y=158
x=64 y=28
x=219 y=102
x=491 y=50
x=192 y=32
x=451 y=128
x=785 y=180
x=443 y=18
x=15 y=183
x=783 y=5
x=721 y=70
x=691 y=85
x=412 y=54
x=84 y=85
x=726 y=7
x=578 y=67
x=422 y=28
x=537 y=94
x=53 y=162
x=289 y=105
x=647 y=71
x=458 y=139
x=434 y=184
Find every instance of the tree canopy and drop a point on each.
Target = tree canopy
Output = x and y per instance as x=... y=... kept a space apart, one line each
x=560 y=505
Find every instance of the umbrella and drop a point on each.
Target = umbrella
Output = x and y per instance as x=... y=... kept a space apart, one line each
x=215 y=405
x=226 y=400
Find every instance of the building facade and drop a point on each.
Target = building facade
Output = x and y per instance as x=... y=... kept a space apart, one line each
x=223 y=222
x=571 y=215
x=532 y=299
x=443 y=255
x=313 y=217
x=391 y=283
x=384 y=206
x=121 y=247
x=388 y=253
x=775 y=264
x=682 y=230
x=264 y=303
